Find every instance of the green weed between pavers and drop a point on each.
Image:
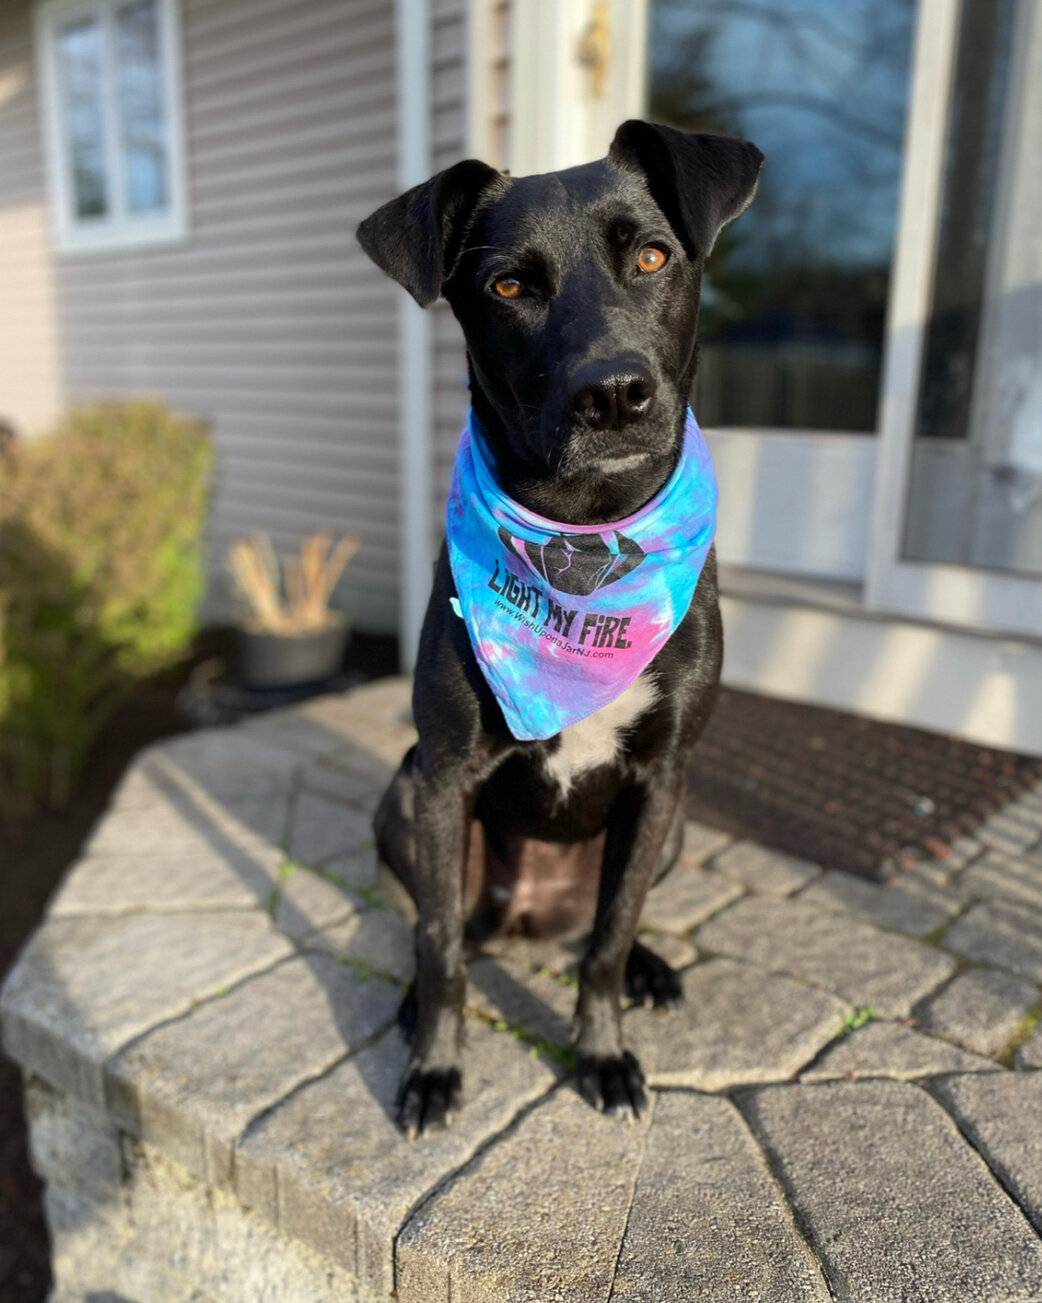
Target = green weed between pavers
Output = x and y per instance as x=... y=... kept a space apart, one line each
x=933 y=937
x=288 y=867
x=538 y=1045
x=1025 y=1028
x=857 y=1017
x=371 y=896
x=562 y=979
x=364 y=970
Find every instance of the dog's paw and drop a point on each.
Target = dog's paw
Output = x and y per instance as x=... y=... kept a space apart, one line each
x=613 y=1084
x=651 y=981
x=428 y=1100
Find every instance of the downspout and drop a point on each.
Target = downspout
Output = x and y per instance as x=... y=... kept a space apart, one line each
x=415 y=416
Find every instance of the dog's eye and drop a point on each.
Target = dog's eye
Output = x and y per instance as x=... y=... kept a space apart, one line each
x=652 y=258
x=507 y=287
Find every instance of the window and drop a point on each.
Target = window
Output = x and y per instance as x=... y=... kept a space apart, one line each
x=794 y=296
x=110 y=80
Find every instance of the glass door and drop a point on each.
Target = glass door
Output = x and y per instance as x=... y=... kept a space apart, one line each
x=958 y=531
x=794 y=298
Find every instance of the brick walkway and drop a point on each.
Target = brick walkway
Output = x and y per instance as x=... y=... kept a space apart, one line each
x=848 y=1105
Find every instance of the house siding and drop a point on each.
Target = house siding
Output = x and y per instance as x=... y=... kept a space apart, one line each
x=269 y=321
x=30 y=383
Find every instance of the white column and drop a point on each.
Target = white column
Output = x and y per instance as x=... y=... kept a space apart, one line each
x=415 y=419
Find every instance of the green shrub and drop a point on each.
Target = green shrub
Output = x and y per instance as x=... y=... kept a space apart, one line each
x=100 y=578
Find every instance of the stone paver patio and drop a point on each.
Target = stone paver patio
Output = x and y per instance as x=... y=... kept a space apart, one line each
x=848 y=1105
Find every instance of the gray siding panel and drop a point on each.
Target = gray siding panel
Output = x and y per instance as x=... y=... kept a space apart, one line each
x=269 y=321
x=30 y=382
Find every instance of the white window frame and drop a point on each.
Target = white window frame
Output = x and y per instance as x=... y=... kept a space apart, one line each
x=930 y=590
x=118 y=229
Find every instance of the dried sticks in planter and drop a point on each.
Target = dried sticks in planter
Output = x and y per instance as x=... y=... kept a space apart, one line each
x=294 y=597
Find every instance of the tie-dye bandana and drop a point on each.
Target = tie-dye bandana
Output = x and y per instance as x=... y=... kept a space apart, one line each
x=563 y=618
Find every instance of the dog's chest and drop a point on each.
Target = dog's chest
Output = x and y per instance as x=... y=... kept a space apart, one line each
x=599 y=738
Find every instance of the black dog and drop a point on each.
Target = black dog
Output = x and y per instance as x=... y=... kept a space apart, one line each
x=578 y=295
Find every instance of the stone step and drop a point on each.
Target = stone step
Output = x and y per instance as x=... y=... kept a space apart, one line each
x=206 y=1025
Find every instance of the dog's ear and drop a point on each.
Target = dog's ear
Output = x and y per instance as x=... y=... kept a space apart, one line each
x=700 y=182
x=418 y=237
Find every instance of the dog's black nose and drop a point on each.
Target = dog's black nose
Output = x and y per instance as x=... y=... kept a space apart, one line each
x=604 y=395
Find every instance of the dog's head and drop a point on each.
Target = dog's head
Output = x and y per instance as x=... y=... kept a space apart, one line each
x=577 y=292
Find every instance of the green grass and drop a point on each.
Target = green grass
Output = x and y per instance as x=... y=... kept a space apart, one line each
x=1025 y=1028
x=371 y=896
x=858 y=1017
x=933 y=937
x=562 y=979
x=537 y=1045
x=364 y=970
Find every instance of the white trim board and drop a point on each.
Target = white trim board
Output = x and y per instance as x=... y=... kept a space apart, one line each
x=796 y=502
x=415 y=338
x=930 y=591
x=984 y=688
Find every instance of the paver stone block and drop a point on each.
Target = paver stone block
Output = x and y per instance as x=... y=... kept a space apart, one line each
x=888 y=906
x=763 y=869
x=377 y=940
x=346 y=1177
x=1002 y=933
x=1016 y=878
x=708 y=1223
x=858 y=962
x=736 y=1025
x=896 y=1203
x=192 y=1086
x=684 y=898
x=1002 y=1113
x=538 y=1219
x=887 y=1049
x=323 y=828
x=83 y=987
x=981 y=1009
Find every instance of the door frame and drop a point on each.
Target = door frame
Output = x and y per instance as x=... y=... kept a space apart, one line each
x=860 y=479
x=933 y=591
x=554 y=122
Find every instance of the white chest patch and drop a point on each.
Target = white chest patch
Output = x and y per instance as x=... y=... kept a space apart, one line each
x=597 y=739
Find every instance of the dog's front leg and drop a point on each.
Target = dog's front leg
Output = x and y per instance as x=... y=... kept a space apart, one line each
x=609 y=1077
x=431 y=1087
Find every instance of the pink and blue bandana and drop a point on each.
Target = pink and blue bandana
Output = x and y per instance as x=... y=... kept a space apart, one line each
x=563 y=618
